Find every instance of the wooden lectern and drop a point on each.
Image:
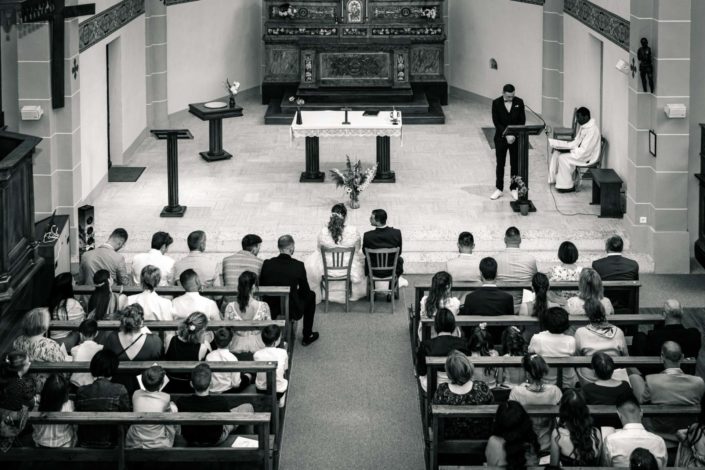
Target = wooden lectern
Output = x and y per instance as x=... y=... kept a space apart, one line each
x=172 y=137
x=522 y=134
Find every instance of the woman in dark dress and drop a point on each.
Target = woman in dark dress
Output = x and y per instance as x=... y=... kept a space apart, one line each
x=133 y=342
x=462 y=390
x=188 y=345
x=606 y=390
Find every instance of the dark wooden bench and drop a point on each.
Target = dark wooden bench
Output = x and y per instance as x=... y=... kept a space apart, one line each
x=262 y=455
x=438 y=445
x=606 y=191
x=174 y=291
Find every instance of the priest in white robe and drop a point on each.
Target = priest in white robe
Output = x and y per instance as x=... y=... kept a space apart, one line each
x=583 y=150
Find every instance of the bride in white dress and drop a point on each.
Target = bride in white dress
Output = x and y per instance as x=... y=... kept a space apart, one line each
x=337 y=235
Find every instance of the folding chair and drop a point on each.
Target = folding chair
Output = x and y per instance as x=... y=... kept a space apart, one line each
x=338 y=270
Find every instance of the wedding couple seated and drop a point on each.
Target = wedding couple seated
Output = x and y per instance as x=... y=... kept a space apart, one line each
x=338 y=234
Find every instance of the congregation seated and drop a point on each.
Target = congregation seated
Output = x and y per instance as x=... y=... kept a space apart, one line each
x=155 y=307
x=244 y=260
x=151 y=399
x=513 y=345
x=225 y=382
x=192 y=301
x=441 y=345
x=567 y=271
x=106 y=257
x=615 y=267
x=156 y=256
x=132 y=342
x=672 y=330
x=189 y=344
x=691 y=448
x=103 y=302
x=463 y=389
x=439 y=297
x=539 y=305
x=274 y=351
x=63 y=306
x=555 y=342
x=481 y=343
x=536 y=392
x=55 y=397
x=589 y=287
x=17 y=388
x=575 y=441
x=338 y=234
x=209 y=270
x=515 y=264
x=606 y=389
x=101 y=395
x=513 y=443
x=247 y=308
x=464 y=267
x=488 y=300
x=85 y=350
x=201 y=401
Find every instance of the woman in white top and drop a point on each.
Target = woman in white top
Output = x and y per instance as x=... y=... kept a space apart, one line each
x=337 y=235
x=439 y=297
x=247 y=308
x=154 y=306
x=554 y=342
x=589 y=287
x=64 y=307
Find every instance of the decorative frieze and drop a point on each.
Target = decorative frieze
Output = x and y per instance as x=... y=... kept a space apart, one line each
x=305 y=12
x=294 y=31
x=105 y=23
x=387 y=12
x=355 y=32
x=408 y=31
x=613 y=27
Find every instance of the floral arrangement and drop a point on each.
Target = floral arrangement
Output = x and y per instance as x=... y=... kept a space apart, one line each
x=429 y=13
x=232 y=87
x=353 y=179
x=285 y=10
x=522 y=190
x=299 y=101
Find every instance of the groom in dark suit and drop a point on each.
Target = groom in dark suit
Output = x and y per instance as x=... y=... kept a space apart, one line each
x=382 y=237
x=287 y=271
x=507 y=110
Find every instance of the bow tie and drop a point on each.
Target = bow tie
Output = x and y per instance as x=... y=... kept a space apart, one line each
x=508 y=101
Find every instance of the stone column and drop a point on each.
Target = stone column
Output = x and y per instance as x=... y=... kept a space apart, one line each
x=657 y=187
x=552 y=94
x=155 y=42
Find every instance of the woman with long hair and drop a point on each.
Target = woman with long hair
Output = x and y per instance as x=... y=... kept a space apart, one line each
x=691 y=450
x=513 y=344
x=589 y=288
x=64 y=307
x=575 y=442
x=188 y=345
x=536 y=392
x=513 y=443
x=337 y=234
x=480 y=343
x=103 y=302
x=438 y=297
x=55 y=397
x=538 y=307
x=247 y=308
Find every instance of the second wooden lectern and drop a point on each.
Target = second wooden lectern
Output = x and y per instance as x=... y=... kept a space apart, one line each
x=172 y=137
x=522 y=134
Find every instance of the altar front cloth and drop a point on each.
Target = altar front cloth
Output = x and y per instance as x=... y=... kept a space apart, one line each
x=330 y=124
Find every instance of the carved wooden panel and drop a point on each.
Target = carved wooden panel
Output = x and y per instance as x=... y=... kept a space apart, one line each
x=282 y=63
x=426 y=62
x=355 y=69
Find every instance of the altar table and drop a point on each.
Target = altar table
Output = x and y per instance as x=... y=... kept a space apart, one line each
x=316 y=124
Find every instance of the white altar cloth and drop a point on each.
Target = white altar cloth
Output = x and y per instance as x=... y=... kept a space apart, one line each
x=330 y=124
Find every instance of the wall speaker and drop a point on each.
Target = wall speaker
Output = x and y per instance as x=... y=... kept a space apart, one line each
x=86 y=229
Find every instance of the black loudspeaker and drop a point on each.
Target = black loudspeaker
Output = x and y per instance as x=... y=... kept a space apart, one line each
x=86 y=229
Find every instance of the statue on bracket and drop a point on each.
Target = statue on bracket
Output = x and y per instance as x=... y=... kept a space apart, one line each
x=646 y=64
x=354 y=11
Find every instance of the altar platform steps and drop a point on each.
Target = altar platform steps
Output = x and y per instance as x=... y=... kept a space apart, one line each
x=419 y=110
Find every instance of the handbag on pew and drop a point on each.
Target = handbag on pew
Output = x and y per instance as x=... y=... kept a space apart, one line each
x=12 y=423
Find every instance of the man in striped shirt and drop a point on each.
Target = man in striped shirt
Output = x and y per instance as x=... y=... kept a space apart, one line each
x=244 y=260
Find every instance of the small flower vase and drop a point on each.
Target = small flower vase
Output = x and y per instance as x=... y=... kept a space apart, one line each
x=299 y=121
x=354 y=201
x=524 y=207
x=231 y=101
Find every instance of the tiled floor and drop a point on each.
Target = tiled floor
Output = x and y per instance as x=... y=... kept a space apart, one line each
x=445 y=175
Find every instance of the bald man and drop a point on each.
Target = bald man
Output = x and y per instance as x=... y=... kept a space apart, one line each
x=671 y=330
x=671 y=387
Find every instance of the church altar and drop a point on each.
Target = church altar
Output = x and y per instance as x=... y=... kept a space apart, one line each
x=316 y=124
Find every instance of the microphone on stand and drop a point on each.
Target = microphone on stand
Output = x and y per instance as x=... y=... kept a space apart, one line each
x=546 y=128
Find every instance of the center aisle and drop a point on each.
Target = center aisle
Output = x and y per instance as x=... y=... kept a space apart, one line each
x=353 y=401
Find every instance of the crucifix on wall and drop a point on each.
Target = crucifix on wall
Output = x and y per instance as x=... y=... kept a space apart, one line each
x=55 y=12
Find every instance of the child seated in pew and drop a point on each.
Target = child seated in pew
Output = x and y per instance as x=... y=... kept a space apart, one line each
x=151 y=399
x=203 y=402
x=271 y=337
x=225 y=382
x=513 y=345
x=482 y=344
x=55 y=397
x=85 y=350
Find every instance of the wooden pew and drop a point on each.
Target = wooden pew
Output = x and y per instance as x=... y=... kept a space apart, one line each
x=172 y=325
x=440 y=413
x=262 y=454
x=174 y=291
x=420 y=289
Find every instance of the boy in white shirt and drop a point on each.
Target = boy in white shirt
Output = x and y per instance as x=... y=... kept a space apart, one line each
x=271 y=337
x=85 y=350
x=225 y=382
x=192 y=300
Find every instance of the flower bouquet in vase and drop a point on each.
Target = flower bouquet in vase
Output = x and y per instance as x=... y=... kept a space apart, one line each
x=523 y=193
x=232 y=88
x=299 y=102
x=353 y=180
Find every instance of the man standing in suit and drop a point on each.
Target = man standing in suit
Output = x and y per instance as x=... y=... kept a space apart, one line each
x=507 y=110
x=515 y=265
x=382 y=237
x=615 y=267
x=671 y=387
x=287 y=271
x=489 y=299
x=464 y=267
x=672 y=330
